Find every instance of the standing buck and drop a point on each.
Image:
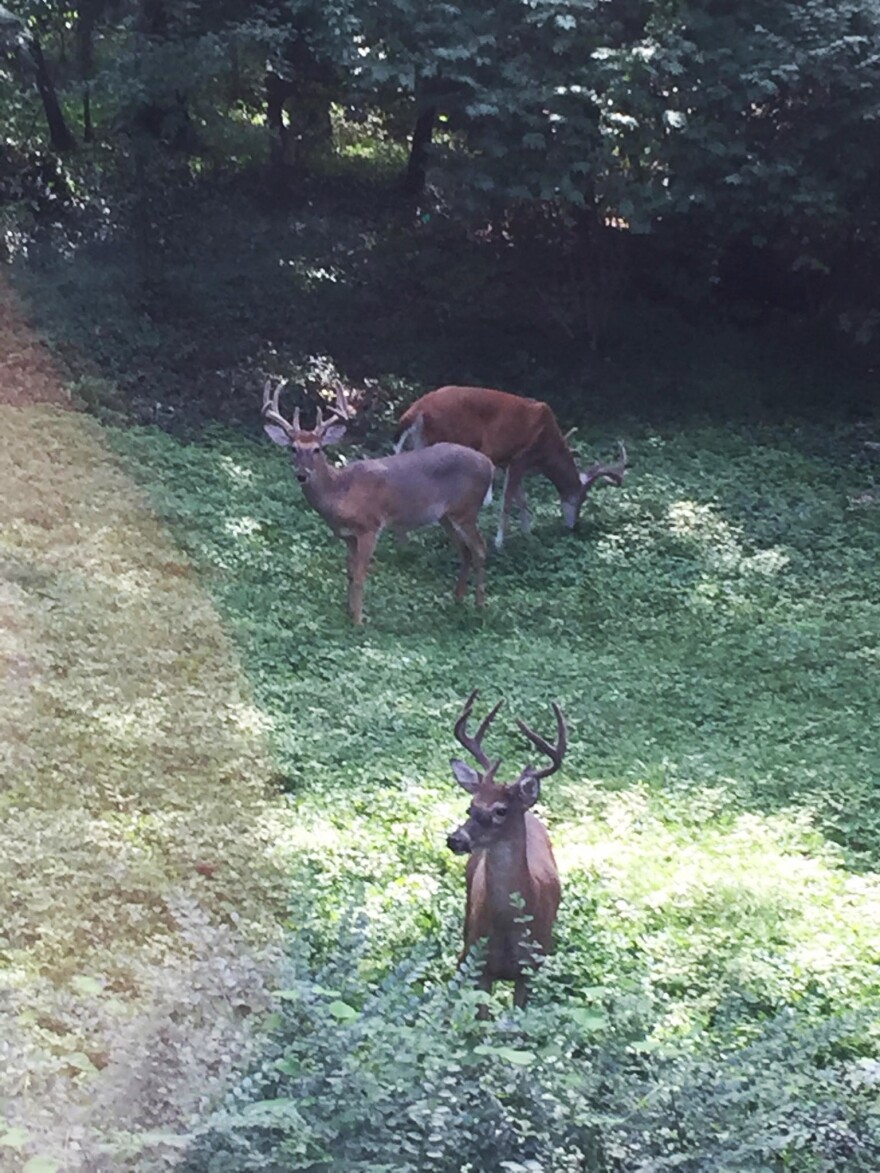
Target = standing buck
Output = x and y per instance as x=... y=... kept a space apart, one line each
x=513 y=888
x=517 y=434
x=447 y=484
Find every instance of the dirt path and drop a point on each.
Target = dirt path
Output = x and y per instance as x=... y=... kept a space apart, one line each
x=135 y=834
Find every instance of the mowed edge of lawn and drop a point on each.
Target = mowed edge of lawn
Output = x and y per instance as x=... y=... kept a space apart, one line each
x=139 y=893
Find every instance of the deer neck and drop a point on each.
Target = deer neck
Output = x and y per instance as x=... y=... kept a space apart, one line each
x=506 y=864
x=557 y=464
x=322 y=487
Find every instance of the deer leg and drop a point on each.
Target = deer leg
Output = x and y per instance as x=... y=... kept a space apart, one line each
x=464 y=553
x=473 y=539
x=484 y=982
x=516 y=475
x=360 y=551
x=506 y=498
x=520 y=992
x=525 y=514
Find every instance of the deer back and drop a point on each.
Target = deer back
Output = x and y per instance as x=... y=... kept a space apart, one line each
x=506 y=427
x=412 y=489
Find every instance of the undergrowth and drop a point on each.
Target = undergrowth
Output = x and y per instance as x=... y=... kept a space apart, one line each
x=711 y=633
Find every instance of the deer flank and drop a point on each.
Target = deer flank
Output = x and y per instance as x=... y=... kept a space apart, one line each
x=517 y=434
x=446 y=484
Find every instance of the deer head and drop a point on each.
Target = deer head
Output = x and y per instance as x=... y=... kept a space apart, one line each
x=610 y=473
x=498 y=808
x=306 y=447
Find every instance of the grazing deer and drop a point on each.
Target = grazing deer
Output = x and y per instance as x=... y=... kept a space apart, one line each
x=517 y=434
x=448 y=485
x=510 y=854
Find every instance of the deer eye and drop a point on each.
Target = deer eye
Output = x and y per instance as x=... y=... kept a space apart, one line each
x=499 y=812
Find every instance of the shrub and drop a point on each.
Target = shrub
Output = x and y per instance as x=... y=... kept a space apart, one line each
x=399 y=1074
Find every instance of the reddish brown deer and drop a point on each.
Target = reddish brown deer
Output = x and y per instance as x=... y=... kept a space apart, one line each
x=513 y=888
x=446 y=484
x=517 y=434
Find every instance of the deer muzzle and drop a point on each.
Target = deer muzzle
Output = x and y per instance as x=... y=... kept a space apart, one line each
x=460 y=842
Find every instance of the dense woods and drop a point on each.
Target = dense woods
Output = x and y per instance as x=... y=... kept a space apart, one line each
x=229 y=914
x=557 y=166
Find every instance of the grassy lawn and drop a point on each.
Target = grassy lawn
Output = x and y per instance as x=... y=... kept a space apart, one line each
x=198 y=747
x=713 y=634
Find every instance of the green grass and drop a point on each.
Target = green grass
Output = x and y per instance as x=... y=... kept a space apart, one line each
x=713 y=635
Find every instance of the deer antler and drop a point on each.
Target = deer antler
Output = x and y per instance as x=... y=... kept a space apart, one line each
x=555 y=752
x=271 y=411
x=609 y=472
x=474 y=744
x=343 y=407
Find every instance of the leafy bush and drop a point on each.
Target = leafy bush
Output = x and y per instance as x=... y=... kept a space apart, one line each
x=401 y=1075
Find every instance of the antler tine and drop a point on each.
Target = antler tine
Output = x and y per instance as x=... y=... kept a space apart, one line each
x=554 y=752
x=474 y=744
x=271 y=410
x=610 y=472
x=343 y=408
x=339 y=413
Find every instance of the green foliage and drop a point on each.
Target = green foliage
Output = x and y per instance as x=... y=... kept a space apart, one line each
x=743 y=141
x=401 y=1075
x=713 y=822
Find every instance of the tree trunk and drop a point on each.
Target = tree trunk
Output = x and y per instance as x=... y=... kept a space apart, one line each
x=60 y=135
x=85 y=29
x=417 y=165
x=88 y=129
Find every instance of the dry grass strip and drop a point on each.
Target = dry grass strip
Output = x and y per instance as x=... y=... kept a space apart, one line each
x=136 y=870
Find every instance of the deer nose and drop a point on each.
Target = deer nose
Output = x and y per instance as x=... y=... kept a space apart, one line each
x=459 y=842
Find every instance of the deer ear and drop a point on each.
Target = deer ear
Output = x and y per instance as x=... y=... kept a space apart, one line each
x=465 y=775
x=332 y=433
x=528 y=787
x=277 y=435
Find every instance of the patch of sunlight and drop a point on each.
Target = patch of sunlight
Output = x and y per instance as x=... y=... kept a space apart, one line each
x=768 y=562
x=762 y=902
x=248 y=719
x=131 y=582
x=722 y=541
x=312 y=275
x=239 y=473
x=417 y=889
x=148 y=717
x=130 y=841
x=695 y=520
x=242 y=527
x=289 y=838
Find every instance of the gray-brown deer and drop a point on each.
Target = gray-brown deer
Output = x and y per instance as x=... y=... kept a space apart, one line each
x=446 y=484
x=517 y=434
x=513 y=888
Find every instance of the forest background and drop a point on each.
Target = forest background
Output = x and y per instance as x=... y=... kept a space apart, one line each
x=229 y=918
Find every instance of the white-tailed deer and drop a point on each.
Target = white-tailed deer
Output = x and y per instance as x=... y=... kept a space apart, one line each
x=513 y=888
x=447 y=484
x=517 y=434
